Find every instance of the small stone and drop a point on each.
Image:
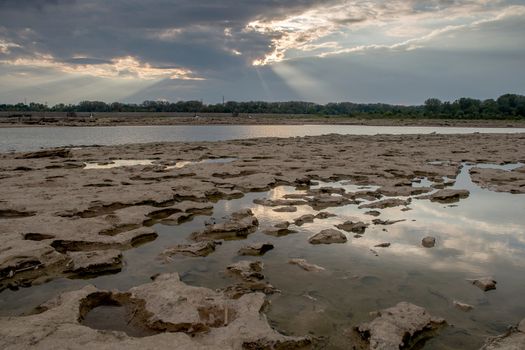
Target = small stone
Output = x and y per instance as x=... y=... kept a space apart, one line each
x=382 y=245
x=302 y=263
x=428 y=242
x=373 y=213
x=462 y=306
x=354 y=227
x=307 y=218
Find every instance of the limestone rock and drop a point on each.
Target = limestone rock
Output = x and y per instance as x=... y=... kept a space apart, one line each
x=327 y=237
x=185 y=317
x=398 y=327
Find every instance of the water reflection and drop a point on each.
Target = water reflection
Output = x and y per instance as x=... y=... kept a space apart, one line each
x=34 y=138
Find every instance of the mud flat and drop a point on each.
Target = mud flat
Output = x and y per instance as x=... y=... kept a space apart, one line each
x=67 y=214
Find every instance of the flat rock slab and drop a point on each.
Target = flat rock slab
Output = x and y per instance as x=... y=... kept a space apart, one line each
x=446 y=196
x=327 y=237
x=199 y=249
x=287 y=209
x=255 y=249
x=386 y=203
x=237 y=226
x=94 y=262
x=398 y=327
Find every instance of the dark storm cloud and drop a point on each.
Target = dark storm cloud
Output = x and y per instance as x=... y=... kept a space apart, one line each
x=106 y=29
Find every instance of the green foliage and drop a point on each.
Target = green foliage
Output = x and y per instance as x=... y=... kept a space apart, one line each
x=508 y=106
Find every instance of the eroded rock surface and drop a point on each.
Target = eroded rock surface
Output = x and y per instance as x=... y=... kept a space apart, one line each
x=94 y=262
x=400 y=327
x=198 y=249
x=239 y=225
x=514 y=339
x=185 y=317
x=256 y=249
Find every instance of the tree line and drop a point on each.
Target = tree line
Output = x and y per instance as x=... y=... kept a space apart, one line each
x=508 y=106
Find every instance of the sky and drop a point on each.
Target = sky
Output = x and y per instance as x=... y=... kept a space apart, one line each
x=400 y=52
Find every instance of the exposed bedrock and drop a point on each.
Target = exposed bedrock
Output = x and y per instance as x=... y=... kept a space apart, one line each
x=175 y=314
x=404 y=326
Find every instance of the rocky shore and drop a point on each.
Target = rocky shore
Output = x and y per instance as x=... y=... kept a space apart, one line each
x=59 y=219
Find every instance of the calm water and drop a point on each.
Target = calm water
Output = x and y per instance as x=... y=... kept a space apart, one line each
x=478 y=236
x=34 y=138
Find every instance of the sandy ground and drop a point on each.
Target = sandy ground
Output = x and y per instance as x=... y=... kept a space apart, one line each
x=116 y=119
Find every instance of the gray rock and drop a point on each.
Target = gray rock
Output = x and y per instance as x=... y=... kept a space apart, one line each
x=327 y=237
x=382 y=245
x=247 y=270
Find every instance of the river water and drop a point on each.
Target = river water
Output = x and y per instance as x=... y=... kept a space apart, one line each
x=34 y=138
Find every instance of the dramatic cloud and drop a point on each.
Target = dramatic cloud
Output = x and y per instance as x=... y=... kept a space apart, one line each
x=300 y=48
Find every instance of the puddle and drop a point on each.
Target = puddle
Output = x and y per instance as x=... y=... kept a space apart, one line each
x=182 y=164
x=481 y=235
x=118 y=163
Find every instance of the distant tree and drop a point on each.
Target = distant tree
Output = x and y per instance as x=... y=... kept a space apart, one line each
x=433 y=106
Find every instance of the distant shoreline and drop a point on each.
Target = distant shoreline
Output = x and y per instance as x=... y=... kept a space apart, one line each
x=155 y=120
